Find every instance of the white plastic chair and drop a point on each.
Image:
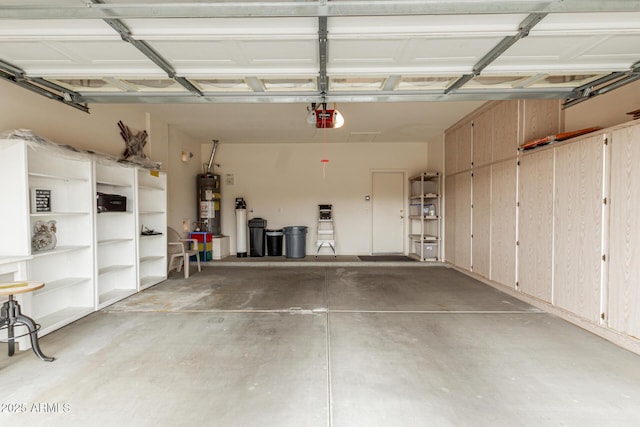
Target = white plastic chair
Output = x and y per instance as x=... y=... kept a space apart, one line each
x=178 y=252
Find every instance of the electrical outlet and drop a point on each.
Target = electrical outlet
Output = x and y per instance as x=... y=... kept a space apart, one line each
x=185 y=225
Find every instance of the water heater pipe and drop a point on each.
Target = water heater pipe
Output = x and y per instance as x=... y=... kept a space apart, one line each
x=213 y=153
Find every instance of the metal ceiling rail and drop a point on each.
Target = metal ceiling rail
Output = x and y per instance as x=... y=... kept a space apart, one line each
x=604 y=84
x=147 y=51
x=16 y=76
x=523 y=31
x=323 y=79
x=325 y=8
x=309 y=97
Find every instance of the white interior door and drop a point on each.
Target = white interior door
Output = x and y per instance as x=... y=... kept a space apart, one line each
x=387 y=210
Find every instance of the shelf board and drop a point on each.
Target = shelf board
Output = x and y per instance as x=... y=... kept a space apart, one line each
x=425 y=238
x=106 y=242
x=60 y=318
x=426 y=176
x=57 y=285
x=114 y=213
x=113 y=184
x=51 y=214
x=114 y=295
x=147 y=281
x=151 y=235
x=151 y=258
x=59 y=250
x=426 y=196
x=57 y=177
x=151 y=212
x=423 y=217
x=113 y=268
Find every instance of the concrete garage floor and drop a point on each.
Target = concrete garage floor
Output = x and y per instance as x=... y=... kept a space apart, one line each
x=322 y=346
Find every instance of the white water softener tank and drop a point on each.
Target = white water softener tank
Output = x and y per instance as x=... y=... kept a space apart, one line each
x=241 y=227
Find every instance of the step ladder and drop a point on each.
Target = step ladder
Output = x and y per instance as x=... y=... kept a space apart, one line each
x=325 y=229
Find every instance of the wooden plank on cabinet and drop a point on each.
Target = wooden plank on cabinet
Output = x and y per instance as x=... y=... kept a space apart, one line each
x=450 y=218
x=450 y=152
x=535 y=225
x=482 y=138
x=541 y=118
x=503 y=222
x=463 y=221
x=505 y=130
x=623 y=289
x=578 y=227
x=481 y=243
x=463 y=134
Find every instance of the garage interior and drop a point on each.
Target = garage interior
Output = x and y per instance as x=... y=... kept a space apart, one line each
x=530 y=314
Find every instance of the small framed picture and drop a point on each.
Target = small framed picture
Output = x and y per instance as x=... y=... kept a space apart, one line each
x=40 y=200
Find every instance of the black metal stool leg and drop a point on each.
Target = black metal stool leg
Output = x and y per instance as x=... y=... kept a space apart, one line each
x=10 y=340
x=33 y=333
x=11 y=315
x=4 y=322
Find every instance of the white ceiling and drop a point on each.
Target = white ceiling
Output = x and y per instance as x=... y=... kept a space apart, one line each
x=246 y=71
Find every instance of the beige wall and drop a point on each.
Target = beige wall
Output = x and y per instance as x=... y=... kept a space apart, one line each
x=605 y=110
x=181 y=191
x=284 y=184
x=98 y=131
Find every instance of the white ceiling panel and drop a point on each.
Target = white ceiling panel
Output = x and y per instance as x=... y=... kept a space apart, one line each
x=242 y=57
x=89 y=29
x=570 y=53
x=564 y=23
x=408 y=55
x=424 y=25
x=46 y=58
x=154 y=29
x=313 y=50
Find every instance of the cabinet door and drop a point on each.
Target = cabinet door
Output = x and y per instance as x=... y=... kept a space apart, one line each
x=535 y=225
x=450 y=219
x=482 y=138
x=624 y=230
x=578 y=227
x=541 y=118
x=505 y=130
x=503 y=222
x=450 y=153
x=463 y=221
x=464 y=133
x=481 y=242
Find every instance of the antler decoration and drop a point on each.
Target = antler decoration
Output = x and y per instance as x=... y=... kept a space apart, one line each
x=135 y=141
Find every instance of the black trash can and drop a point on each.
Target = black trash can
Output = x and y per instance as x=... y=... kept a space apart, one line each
x=256 y=236
x=274 y=242
x=296 y=241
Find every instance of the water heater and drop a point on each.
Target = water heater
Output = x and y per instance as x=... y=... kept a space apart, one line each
x=209 y=203
x=209 y=198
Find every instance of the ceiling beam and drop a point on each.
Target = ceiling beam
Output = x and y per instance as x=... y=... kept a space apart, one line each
x=603 y=85
x=45 y=10
x=147 y=51
x=17 y=76
x=323 y=80
x=308 y=97
x=523 y=31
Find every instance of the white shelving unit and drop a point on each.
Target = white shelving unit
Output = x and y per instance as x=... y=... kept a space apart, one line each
x=116 y=232
x=152 y=216
x=424 y=216
x=67 y=270
x=98 y=258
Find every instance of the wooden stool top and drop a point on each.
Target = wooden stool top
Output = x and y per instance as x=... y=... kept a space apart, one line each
x=13 y=288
